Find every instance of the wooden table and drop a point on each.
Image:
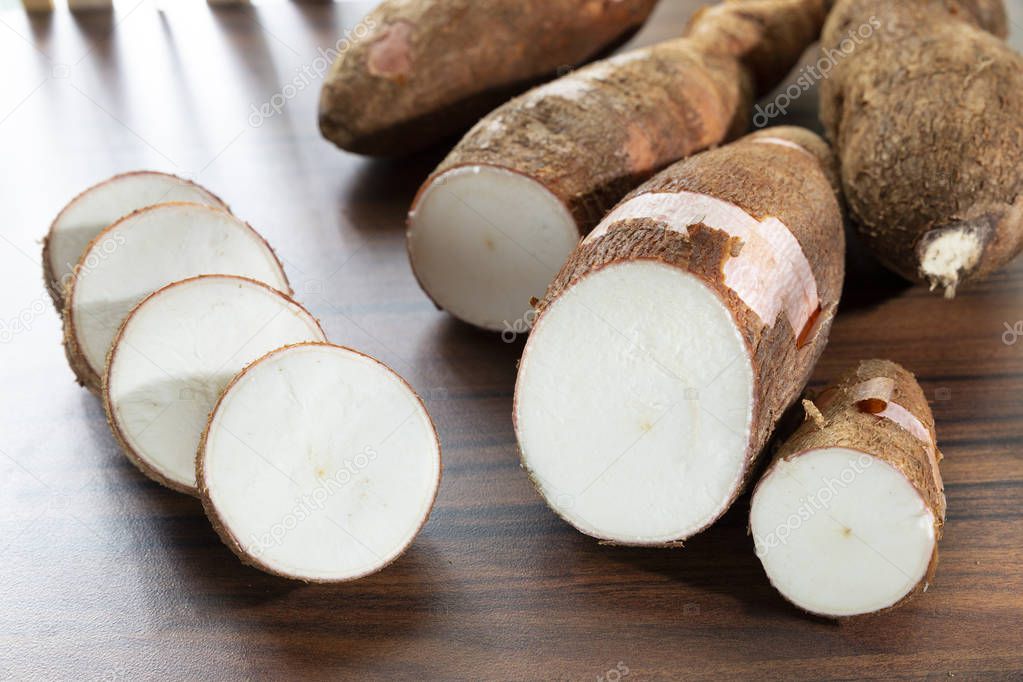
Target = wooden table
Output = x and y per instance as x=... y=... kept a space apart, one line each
x=104 y=574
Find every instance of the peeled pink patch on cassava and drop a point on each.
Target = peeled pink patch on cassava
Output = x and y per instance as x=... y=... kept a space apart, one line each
x=926 y=114
x=676 y=335
x=846 y=520
x=416 y=71
x=143 y=252
x=174 y=355
x=492 y=225
x=319 y=464
x=98 y=207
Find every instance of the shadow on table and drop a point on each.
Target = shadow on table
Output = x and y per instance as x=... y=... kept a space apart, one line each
x=719 y=562
x=379 y=195
x=311 y=622
x=867 y=282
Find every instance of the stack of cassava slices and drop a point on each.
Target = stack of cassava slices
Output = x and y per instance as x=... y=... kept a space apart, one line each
x=217 y=384
x=674 y=321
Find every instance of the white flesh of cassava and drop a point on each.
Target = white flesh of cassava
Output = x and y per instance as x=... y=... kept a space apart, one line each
x=633 y=404
x=841 y=533
x=150 y=249
x=175 y=354
x=104 y=203
x=319 y=463
x=483 y=241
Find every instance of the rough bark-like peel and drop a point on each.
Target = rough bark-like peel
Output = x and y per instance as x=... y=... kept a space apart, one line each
x=925 y=114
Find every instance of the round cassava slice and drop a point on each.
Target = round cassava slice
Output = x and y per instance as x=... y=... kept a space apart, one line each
x=145 y=251
x=174 y=355
x=846 y=520
x=90 y=212
x=318 y=463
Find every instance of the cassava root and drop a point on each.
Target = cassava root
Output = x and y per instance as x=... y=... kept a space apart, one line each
x=675 y=336
x=847 y=518
x=491 y=226
x=927 y=119
x=431 y=68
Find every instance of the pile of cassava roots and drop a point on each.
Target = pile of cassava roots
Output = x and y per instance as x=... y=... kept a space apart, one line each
x=677 y=274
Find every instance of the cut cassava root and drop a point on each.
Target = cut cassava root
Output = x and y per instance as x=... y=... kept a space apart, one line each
x=492 y=225
x=927 y=117
x=142 y=252
x=428 y=69
x=676 y=334
x=99 y=206
x=847 y=518
x=176 y=352
x=319 y=464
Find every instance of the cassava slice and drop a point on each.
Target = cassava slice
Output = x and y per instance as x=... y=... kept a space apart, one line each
x=927 y=117
x=144 y=251
x=493 y=224
x=676 y=334
x=96 y=208
x=319 y=463
x=847 y=518
x=174 y=355
x=427 y=69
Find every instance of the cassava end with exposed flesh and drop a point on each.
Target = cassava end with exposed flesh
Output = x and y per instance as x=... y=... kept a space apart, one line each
x=676 y=335
x=926 y=115
x=847 y=518
x=493 y=224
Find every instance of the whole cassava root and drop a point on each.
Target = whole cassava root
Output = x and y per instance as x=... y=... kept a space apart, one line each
x=492 y=225
x=927 y=119
x=847 y=518
x=675 y=336
x=431 y=68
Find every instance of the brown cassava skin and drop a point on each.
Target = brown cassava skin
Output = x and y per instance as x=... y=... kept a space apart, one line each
x=431 y=68
x=54 y=286
x=927 y=117
x=85 y=375
x=839 y=421
x=767 y=36
x=225 y=534
x=765 y=180
x=629 y=116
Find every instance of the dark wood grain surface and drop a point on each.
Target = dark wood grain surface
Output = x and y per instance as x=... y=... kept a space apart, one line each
x=104 y=574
